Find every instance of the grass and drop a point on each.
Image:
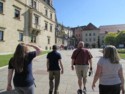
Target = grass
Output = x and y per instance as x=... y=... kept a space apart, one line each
x=4 y=59
x=121 y=53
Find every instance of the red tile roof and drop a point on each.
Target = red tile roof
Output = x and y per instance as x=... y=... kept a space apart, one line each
x=90 y=26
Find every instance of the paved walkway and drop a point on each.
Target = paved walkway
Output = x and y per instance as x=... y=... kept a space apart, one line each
x=68 y=83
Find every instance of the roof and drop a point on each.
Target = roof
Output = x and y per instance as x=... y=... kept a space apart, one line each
x=112 y=28
x=90 y=26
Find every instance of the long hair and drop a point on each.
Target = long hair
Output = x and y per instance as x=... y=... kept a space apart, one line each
x=111 y=53
x=19 y=57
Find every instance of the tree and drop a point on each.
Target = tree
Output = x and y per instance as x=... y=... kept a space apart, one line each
x=120 y=39
x=110 y=38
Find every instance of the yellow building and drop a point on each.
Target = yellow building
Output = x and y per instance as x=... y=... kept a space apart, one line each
x=28 y=21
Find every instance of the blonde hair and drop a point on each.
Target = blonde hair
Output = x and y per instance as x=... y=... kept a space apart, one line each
x=111 y=53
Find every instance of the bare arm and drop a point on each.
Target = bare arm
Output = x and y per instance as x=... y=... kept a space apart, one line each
x=90 y=63
x=72 y=63
x=122 y=79
x=61 y=66
x=38 y=49
x=97 y=75
x=10 y=74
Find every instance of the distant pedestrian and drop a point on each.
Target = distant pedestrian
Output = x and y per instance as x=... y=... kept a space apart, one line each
x=21 y=65
x=82 y=59
x=54 y=65
x=109 y=72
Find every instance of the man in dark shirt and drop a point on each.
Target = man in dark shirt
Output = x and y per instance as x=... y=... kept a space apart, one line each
x=53 y=67
x=81 y=58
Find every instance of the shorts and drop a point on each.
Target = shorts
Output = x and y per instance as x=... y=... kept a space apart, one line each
x=81 y=71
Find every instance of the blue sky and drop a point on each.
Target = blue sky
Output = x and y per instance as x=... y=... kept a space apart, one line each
x=81 y=12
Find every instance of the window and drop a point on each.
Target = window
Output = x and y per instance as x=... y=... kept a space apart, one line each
x=1 y=35
x=17 y=14
x=33 y=38
x=86 y=34
x=20 y=36
x=86 y=40
x=94 y=39
x=89 y=34
x=93 y=34
x=90 y=39
x=50 y=27
x=46 y=25
x=34 y=4
x=36 y=19
x=1 y=7
x=50 y=15
x=48 y=40
x=46 y=12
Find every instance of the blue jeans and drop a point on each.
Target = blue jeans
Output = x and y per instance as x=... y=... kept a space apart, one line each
x=25 y=90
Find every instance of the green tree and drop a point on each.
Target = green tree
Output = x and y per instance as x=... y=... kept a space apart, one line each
x=110 y=38
x=120 y=39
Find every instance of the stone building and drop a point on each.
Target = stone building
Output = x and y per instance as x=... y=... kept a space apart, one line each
x=94 y=36
x=90 y=36
x=63 y=35
x=77 y=31
x=109 y=28
x=28 y=21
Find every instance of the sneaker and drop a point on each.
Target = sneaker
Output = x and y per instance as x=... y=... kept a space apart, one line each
x=84 y=90
x=79 y=91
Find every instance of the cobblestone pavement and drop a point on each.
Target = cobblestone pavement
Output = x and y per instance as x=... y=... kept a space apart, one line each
x=68 y=83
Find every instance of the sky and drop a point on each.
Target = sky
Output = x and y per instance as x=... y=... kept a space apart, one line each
x=75 y=13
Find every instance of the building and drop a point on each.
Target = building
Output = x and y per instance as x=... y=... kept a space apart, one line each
x=94 y=36
x=63 y=35
x=109 y=28
x=28 y=21
x=90 y=36
x=77 y=31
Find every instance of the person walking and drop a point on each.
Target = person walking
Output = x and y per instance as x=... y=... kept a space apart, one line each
x=82 y=59
x=21 y=66
x=54 y=65
x=109 y=72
